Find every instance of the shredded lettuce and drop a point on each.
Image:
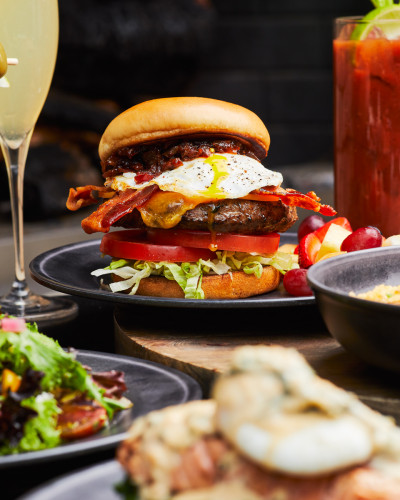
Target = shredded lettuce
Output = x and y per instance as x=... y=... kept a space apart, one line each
x=189 y=275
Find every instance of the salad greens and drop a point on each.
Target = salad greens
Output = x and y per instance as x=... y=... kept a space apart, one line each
x=33 y=370
x=127 y=489
x=189 y=275
x=31 y=349
x=40 y=430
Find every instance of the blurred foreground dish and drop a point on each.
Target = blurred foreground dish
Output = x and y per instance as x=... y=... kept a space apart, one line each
x=273 y=429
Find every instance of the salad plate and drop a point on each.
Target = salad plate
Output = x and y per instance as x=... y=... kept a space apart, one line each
x=67 y=269
x=150 y=386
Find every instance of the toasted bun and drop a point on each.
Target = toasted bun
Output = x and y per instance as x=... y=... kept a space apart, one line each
x=233 y=490
x=162 y=119
x=235 y=285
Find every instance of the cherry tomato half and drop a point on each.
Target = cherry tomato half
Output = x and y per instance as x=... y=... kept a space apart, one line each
x=265 y=243
x=79 y=420
x=133 y=244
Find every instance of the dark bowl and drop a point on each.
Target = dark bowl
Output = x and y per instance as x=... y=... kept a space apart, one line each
x=370 y=330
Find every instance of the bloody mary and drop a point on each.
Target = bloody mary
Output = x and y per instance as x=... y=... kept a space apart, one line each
x=367 y=131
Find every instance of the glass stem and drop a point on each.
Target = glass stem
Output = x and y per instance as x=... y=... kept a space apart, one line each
x=15 y=159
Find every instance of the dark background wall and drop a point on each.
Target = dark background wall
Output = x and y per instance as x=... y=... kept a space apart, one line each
x=272 y=56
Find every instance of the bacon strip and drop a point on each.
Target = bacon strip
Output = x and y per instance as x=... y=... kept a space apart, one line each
x=124 y=202
x=111 y=210
x=84 y=196
x=291 y=197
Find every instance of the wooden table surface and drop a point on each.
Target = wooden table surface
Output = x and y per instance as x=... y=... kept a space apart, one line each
x=200 y=342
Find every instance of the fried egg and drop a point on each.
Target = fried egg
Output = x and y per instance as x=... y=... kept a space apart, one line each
x=217 y=177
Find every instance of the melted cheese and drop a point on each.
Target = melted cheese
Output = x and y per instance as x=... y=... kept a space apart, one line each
x=165 y=210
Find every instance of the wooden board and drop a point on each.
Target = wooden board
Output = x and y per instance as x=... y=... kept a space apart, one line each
x=201 y=343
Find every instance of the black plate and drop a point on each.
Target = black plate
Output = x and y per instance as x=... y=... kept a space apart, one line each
x=93 y=482
x=150 y=387
x=67 y=269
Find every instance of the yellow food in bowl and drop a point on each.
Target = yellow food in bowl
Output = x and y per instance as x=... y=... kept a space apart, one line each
x=381 y=293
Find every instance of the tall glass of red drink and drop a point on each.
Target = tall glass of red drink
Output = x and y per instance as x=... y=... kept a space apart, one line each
x=367 y=123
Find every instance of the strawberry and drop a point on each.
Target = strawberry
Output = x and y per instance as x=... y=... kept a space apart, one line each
x=308 y=249
x=340 y=221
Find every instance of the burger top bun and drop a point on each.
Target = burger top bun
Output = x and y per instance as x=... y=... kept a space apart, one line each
x=170 y=117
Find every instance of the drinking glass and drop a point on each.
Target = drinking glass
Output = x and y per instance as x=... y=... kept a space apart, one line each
x=366 y=60
x=29 y=33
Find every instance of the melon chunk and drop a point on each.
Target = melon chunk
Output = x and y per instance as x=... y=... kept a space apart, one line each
x=332 y=240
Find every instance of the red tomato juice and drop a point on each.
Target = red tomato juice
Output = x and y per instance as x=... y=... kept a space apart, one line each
x=367 y=132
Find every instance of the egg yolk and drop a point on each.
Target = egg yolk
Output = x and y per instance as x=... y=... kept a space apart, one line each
x=218 y=164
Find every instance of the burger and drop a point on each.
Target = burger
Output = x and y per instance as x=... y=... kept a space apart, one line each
x=200 y=212
x=272 y=430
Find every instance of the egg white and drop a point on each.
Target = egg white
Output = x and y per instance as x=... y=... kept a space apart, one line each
x=219 y=176
x=327 y=445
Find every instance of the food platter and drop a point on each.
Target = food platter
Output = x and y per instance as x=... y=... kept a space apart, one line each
x=98 y=482
x=67 y=269
x=150 y=387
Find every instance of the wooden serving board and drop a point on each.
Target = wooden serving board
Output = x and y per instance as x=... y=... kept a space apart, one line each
x=200 y=343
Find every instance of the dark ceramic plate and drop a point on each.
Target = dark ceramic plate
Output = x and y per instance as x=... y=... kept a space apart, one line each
x=93 y=482
x=369 y=329
x=67 y=269
x=150 y=387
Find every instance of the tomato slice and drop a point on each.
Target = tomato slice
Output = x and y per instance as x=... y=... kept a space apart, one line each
x=133 y=244
x=79 y=420
x=265 y=243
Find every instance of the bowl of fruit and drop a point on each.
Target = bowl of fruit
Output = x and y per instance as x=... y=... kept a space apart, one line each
x=358 y=293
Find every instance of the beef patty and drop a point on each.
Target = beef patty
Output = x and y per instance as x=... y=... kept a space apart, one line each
x=230 y=216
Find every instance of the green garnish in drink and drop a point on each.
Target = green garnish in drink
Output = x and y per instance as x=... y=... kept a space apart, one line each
x=379 y=22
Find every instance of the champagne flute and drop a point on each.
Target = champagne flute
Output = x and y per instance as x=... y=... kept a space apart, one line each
x=29 y=33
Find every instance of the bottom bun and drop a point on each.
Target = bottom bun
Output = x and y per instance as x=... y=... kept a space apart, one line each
x=223 y=491
x=235 y=285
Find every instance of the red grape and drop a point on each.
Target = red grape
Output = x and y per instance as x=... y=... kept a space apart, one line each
x=295 y=283
x=309 y=225
x=361 y=239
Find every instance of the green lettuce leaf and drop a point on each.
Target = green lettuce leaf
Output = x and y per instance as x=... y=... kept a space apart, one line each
x=127 y=489
x=40 y=431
